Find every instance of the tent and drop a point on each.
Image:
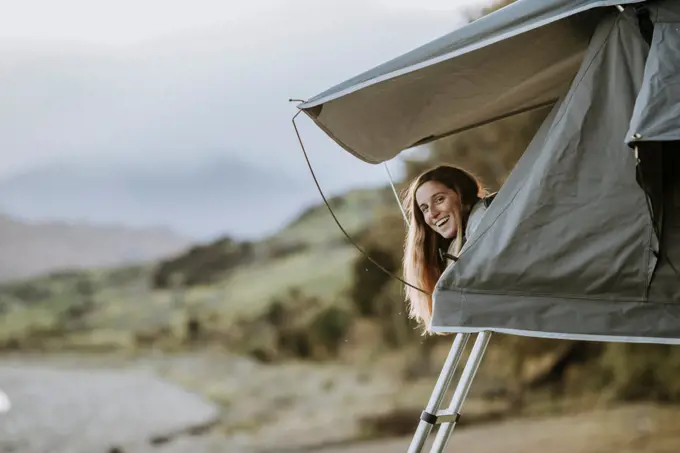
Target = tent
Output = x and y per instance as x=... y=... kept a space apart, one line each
x=583 y=239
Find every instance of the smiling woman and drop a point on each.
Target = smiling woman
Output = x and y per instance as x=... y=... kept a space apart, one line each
x=444 y=205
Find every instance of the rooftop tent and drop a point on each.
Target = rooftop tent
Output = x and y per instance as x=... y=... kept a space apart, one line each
x=521 y=57
x=568 y=249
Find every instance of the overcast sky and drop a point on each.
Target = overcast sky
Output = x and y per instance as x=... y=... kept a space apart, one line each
x=180 y=82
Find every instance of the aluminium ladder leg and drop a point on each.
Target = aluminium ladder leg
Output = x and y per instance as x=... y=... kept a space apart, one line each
x=445 y=376
x=447 y=418
x=462 y=390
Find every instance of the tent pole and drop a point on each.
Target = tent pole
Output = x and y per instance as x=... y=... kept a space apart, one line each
x=445 y=376
x=462 y=389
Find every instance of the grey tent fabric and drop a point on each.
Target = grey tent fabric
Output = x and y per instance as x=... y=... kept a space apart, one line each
x=565 y=250
x=657 y=111
x=568 y=249
x=521 y=57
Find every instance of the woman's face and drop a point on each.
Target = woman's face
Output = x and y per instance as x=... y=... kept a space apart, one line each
x=438 y=204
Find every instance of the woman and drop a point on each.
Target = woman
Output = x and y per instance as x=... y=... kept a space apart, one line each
x=444 y=206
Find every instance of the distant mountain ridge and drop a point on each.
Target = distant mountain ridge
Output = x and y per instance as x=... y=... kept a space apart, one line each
x=30 y=249
x=202 y=200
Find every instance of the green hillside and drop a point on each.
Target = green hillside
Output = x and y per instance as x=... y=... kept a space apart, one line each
x=220 y=284
x=303 y=293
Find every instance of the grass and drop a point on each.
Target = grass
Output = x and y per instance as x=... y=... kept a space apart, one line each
x=324 y=274
x=18 y=321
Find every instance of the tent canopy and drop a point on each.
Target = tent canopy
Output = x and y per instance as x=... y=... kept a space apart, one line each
x=521 y=57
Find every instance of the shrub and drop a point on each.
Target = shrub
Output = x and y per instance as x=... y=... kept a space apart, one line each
x=642 y=371
x=202 y=264
x=294 y=326
x=328 y=330
x=369 y=280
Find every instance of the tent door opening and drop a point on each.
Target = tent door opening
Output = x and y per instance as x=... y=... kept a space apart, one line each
x=657 y=174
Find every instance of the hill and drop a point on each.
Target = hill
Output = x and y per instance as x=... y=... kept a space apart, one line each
x=30 y=249
x=237 y=281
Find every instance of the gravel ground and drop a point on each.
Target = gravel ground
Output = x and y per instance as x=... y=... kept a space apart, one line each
x=90 y=411
x=150 y=404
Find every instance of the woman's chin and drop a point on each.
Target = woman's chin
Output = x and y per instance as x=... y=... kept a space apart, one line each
x=448 y=234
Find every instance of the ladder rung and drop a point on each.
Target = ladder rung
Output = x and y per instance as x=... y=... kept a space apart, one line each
x=447 y=416
x=443 y=416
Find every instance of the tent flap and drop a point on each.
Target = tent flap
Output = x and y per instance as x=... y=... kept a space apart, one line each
x=522 y=56
x=657 y=110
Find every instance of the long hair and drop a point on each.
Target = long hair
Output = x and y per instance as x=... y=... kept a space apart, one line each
x=422 y=263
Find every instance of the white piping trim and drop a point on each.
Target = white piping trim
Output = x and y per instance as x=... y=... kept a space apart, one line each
x=457 y=53
x=558 y=336
x=5 y=404
x=394 y=191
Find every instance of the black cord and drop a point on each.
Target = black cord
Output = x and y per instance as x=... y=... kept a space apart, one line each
x=336 y=219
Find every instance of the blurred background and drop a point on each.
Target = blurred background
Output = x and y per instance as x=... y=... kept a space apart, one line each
x=170 y=279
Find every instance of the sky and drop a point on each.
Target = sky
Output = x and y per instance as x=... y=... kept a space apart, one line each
x=171 y=87
x=128 y=22
x=139 y=80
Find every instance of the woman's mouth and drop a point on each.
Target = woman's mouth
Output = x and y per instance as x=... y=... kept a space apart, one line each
x=440 y=223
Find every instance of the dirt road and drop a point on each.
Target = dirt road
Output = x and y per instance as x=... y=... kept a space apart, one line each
x=640 y=428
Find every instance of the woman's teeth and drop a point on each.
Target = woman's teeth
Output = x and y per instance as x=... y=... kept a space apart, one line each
x=442 y=221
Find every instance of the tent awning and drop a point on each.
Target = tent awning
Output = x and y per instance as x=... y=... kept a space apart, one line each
x=521 y=57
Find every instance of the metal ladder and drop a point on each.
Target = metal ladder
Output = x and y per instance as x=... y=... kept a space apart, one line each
x=447 y=418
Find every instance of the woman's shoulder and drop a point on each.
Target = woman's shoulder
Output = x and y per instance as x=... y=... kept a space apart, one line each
x=476 y=213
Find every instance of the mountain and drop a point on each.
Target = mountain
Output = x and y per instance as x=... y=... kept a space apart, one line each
x=30 y=249
x=203 y=200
